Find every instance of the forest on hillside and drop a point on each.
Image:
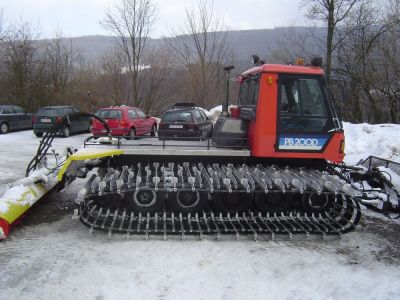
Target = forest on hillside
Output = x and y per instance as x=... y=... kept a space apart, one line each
x=358 y=40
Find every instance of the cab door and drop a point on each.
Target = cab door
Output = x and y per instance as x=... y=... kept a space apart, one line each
x=304 y=120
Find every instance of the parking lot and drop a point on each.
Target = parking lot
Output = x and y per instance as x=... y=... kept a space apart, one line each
x=51 y=254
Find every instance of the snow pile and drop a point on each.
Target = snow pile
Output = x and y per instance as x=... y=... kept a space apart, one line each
x=363 y=140
x=213 y=113
x=14 y=196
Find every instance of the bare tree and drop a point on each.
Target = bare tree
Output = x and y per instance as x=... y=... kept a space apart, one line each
x=332 y=13
x=152 y=79
x=112 y=69
x=131 y=21
x=59 y=56
x=359 y=59
x=388 y=81
x=21 y=64
x=294 y=43
x=201 y=48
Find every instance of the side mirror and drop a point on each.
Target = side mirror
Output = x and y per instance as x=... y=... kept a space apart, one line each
x=247 y=113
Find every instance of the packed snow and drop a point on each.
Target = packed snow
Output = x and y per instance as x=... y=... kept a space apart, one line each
x=51 y=256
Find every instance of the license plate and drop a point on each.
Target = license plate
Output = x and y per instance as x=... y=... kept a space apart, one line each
x=175 y=126
x=45 y=120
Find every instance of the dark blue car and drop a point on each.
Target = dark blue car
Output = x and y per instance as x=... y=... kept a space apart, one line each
x=13 y=117
x=46 y=117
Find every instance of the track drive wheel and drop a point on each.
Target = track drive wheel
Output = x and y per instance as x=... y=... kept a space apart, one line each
x=273 y=202
x=187 y=201
x=232 y=202
x=146 y=201
x=315 y=203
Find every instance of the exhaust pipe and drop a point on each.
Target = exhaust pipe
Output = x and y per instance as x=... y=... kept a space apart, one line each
x=226 y=104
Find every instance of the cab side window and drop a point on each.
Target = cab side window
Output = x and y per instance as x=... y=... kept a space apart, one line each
x=249 y=90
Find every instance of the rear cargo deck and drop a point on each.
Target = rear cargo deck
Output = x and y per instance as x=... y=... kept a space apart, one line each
x=153 y=146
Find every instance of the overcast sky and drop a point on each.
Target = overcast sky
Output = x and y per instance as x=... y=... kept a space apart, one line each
x=81 y=17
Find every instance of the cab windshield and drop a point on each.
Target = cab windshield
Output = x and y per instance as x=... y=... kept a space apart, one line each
x=302 y=105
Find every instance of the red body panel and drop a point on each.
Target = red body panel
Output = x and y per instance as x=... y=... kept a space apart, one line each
x=262 y=133
x=4 y=229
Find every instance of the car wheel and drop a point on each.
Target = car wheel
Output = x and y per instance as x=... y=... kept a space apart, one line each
x=39 y=134
x=66 y=132
x=153 y=130
x=132 y=134
x=4 y=128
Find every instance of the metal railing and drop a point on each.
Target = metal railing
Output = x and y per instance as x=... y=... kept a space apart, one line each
x=169 y=142
x=373 y=161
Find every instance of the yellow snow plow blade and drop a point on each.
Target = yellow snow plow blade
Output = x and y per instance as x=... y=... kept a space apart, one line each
x=85 y=154
x=24 y=193
x=18 y=199
x=17 y=205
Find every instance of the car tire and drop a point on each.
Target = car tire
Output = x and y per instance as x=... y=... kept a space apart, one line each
x=38 y=134
x=4 y=128
x=153 y=130
x=132 y=134
x=66 y=132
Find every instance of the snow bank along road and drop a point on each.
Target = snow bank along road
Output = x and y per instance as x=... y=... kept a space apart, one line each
x=50 y=256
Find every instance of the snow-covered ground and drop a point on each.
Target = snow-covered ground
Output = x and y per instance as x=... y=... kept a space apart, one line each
x=381 y=140
x=51 y=256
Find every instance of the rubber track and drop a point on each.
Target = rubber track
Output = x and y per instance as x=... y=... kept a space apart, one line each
x=341 y=218
x=209 y=223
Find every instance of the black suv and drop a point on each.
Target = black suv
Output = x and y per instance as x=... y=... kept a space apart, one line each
x=14 y=117
x=46 y=117
x=185 y=120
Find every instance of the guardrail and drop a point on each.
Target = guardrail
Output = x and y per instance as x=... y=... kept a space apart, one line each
x=373 y=161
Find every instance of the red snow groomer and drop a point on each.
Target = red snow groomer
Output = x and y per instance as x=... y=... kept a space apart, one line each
x=272 y=166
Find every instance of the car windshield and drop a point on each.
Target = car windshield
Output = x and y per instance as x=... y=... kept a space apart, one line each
x=178 y=116
x=109 y=114
x=48 y=112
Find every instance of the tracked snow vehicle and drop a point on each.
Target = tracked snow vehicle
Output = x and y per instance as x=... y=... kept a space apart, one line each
x=265 y=170
x=272 y=166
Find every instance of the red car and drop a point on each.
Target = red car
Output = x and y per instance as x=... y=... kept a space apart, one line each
x=124 y=121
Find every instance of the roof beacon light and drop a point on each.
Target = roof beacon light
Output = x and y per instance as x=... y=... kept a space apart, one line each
x=299 y=61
